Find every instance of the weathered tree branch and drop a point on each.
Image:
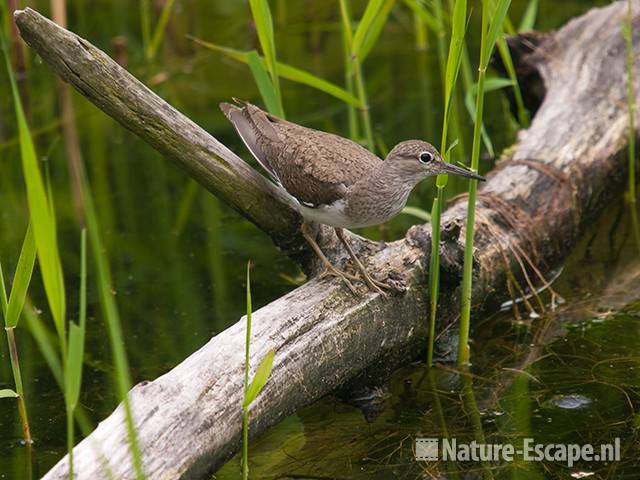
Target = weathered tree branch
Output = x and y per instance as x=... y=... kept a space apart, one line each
x=121 y=96
x=535 y=205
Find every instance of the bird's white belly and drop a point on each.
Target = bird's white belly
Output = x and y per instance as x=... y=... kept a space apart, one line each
x=333 y=214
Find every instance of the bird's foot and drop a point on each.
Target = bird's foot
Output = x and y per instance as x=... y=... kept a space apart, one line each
x=331 y=271
x=373 y=284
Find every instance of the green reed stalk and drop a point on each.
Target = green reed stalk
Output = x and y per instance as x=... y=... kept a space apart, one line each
x=631 y=108
x=245 y=410
x=15 y=367
x=529 y=17
x=364 y=101
x=364 y=38
x=113 y=323
x=159 y=30
x=145 y=24
x=458 y=28
x=505 y=54
x=251 y=390
x=527 y=23
x=75 y=357
x=264 y=26
x=347 y=42
x=420 y=31
x=11 y=311
x=284 y=71
x=40 y=210
x=491 y=29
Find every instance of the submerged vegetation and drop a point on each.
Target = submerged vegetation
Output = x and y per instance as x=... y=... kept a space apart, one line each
x=165 y=270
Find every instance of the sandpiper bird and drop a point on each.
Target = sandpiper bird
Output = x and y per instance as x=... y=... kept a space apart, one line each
x=333 y=180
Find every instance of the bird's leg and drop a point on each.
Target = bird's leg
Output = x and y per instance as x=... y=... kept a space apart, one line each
x=329 y=268
x=371 y=282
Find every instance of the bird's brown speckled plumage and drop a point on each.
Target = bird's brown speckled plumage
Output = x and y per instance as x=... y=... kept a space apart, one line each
x=313 y=166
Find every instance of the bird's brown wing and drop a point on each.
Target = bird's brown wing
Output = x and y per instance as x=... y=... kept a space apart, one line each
x=313 y=166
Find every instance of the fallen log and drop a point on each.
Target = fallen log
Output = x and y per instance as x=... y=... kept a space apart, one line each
x=552 y=183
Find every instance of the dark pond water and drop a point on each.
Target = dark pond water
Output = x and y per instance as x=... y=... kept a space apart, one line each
x=178 y=258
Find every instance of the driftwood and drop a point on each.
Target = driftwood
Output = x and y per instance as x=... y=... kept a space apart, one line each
x=556 y=179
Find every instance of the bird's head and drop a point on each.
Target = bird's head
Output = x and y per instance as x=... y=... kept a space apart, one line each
x=417 y=160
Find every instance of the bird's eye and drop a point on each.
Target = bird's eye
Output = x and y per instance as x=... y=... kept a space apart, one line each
x=426 y=157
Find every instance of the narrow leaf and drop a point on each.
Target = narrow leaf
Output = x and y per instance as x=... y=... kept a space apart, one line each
x=75 y=357
x=495 y=29
x=374 y=30
x=259 y=379
x=42 y=221
x=491 y=84
x=364 y=26
x=264 y=26
x=529 y=18
x=417 y=212
x=458 y=29
x=424 y=14
x=247 y=343
x=453 y=145
x=263 y=82
x=8 y=393
x=21 y=279
x=161 y=27
x=306 y=78
x=73 y=372
x=4 y=302
x=288 y=72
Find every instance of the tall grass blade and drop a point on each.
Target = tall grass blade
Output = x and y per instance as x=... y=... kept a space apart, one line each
x=251 y=390
x=364 y=37
x=528 y=20
x=264 y=26
x=263 y=82
x=364 y=28
x=259 y=379
x=347 y=42
x=11 y=310
x=421 y=11
x=4 y=300
x=373 y=31
x=505 y=55
x=491 y=84
x=245 y=410
x=42 y=221
x=491 y=28
x=113 y=323
x=77 y=331
x=8 y=393
x=161 y=27
x=47 y=343
x=458 y=30
x=17 y=377
x=434 y=277
x=288 y=72
x=21 y=280
x=145 y=24
x=495 y=29
x=454 y=57
x=417 y=212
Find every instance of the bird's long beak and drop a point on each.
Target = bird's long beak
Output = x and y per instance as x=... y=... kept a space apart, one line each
x=462 y=172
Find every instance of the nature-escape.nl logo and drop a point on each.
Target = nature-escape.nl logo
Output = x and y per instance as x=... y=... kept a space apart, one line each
x=449 y=449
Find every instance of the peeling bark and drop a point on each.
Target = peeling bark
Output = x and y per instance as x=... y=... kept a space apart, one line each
x=537 y=202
